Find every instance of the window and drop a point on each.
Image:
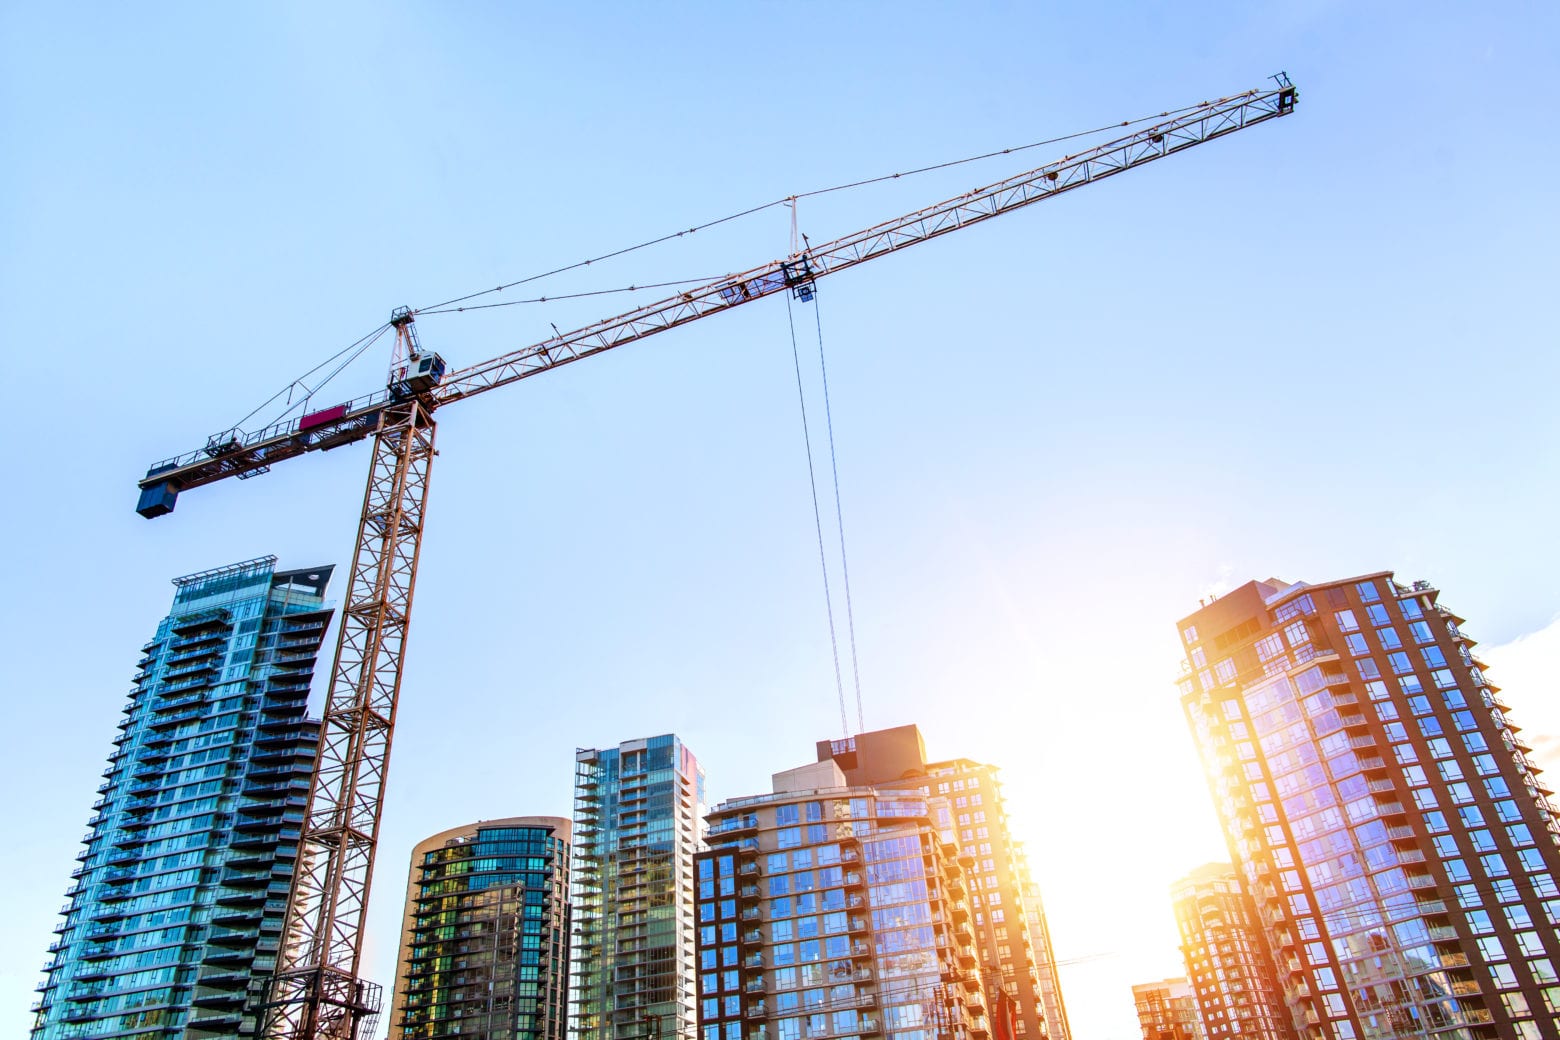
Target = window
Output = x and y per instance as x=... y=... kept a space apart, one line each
x=1389 y=638
x=1378 y=615
x=1346 y=622
x=1502 y=975
x=1517 y=917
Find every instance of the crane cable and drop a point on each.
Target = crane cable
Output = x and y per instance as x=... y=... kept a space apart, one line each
x=355 y=350
x=822 y=191
x=839 y=517
x=812 y=484
x=448 y=306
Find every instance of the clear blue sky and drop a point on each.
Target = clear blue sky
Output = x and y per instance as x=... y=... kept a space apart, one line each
x=1321 y=347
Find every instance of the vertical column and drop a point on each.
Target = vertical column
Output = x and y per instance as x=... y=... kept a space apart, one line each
x=316 y=992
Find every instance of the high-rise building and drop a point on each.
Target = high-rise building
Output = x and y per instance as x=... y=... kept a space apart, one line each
x=1011 y=938
x=175 y=912
x=1167 y=1010
x=1045 y=961
x=834 y=911
x=1381 y=808
x=1227 y=958
x=485 y=934
x=637 y=823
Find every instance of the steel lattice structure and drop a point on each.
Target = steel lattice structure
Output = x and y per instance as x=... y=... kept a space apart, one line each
x=317 y=992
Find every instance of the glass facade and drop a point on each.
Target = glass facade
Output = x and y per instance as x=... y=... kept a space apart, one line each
x=637 y=810
x=175 y=913
x=485 y=938
x=1382 y=809
x=1012 y=941
x=841 y=914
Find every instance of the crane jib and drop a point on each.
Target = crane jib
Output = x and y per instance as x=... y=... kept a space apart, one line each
x=232 y=454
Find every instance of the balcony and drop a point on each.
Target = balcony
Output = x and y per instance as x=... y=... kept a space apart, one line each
x=219 y=1000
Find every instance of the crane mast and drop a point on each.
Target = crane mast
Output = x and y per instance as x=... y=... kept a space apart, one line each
x=317 y=992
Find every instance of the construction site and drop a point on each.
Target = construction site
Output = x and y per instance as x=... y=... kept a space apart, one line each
x=750 y=533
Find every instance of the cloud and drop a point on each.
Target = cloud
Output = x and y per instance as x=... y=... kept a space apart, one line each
x=1527 y=670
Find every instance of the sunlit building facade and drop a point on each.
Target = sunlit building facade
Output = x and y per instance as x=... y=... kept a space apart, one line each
x=1381 y=808
x=828 y=911
x=1045 y=962
x=484 y=949
x=638 y=812
x=1012 y=942
x=1167 y=1010
x=175 y=913
x=1227 y=958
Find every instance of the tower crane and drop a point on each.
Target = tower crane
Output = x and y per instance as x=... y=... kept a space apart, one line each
x=316 y=992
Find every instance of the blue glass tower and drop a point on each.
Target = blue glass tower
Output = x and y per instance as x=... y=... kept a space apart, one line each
x=637 y=825
x=175 y=912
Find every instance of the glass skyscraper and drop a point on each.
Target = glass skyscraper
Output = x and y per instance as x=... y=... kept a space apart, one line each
x=637 y=825
x=485 y=937
x=828 y=911
x=1382 y=810
x=1012 y=940
x=175 y=912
